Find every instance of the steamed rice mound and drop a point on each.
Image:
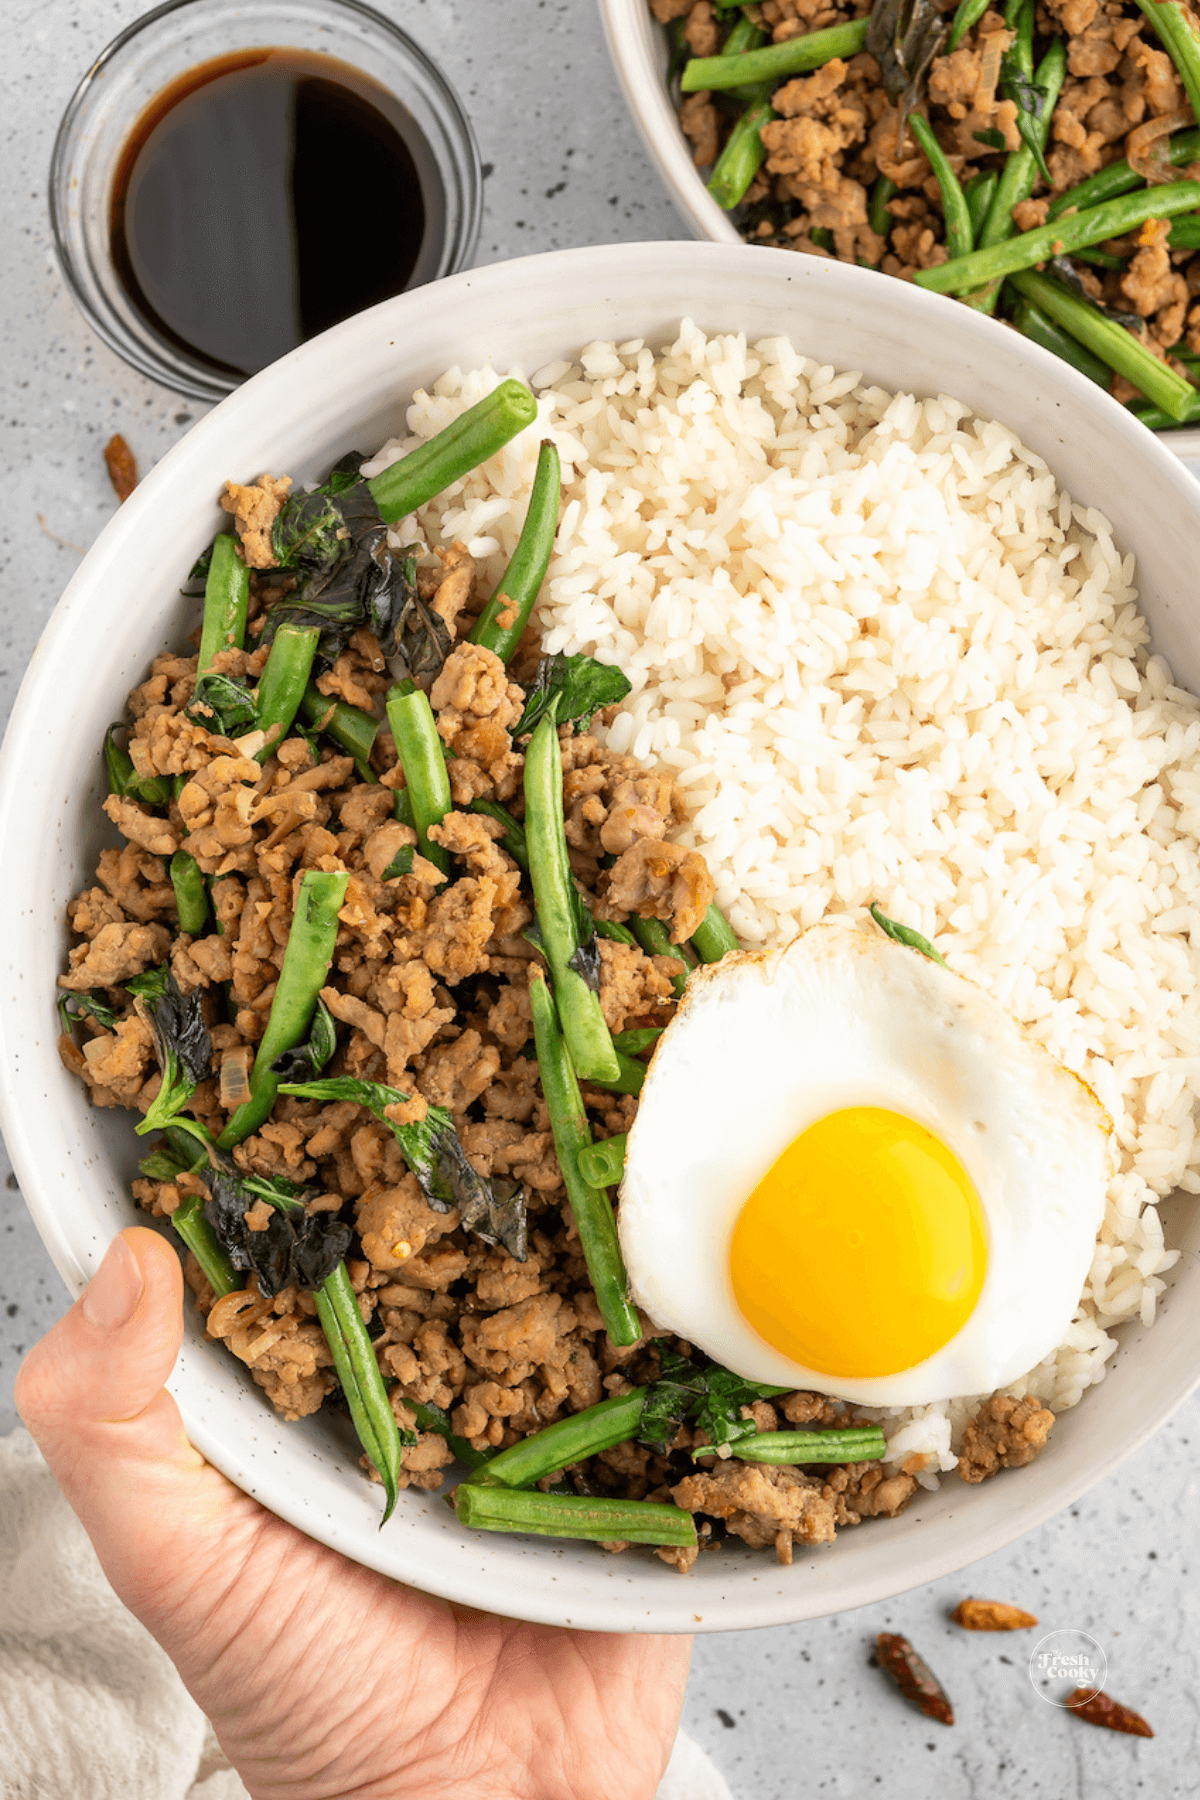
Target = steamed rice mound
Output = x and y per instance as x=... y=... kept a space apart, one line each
x=887 y=659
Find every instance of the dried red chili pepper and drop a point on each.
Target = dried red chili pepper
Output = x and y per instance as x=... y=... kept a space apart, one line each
x=1098 y=1709
x=913 y=1676
x=122 y=466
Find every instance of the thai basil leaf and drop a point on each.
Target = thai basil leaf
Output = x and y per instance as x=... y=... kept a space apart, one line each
x=295 y=1246
x=223 y=706
x=305 y=1060
x=198 y=574
x=992 y=138
x=181 y=1042
x=585 y=960
x=493 y=1210
x=576 y=687
x=78 y=1006
x=311 y=528
x=705 y=1396
x=124 y=780
x=1031 y=101
x=904 y=36
x=401 y=863
x=904 y=934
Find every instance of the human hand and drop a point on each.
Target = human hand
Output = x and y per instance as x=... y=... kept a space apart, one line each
x=321 y=1678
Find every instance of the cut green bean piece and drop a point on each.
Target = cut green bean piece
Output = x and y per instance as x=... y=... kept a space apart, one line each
x=1158 y=420
x=283 y=681
x=878 y=216
x=1185 y=233
x=514 y=835
x=1033 y=323
x=226 y=597
x=593 y=1214
x=714 y=937
x=419 y=748
x=191 y=895
x=306 y=961
x=616 y=933
x=1118 y=178
x=603 y=1164
x=587 y=1035
x=124 y=780
x=743 y=154
x=655 y=940
x=1017 y=181
x=362 y=1383
x=572 y=1516
x=477 y=434
x=1103 y=259
x=979 y=194
x=959 y=231
x=966 y=18
x=506 y=614
x=351 y=729
x=629 y=1079
x=775 y=61
x=565 y=1442
x=1173 y=25
x=855 y=1444
x=1109 y=341
x=189 y=1221
x=963 y=274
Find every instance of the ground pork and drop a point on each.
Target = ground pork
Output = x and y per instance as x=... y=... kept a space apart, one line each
x=255 y=509
x=1004 y=1434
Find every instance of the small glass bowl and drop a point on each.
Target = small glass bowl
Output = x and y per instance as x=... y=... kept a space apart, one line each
x=173 y=39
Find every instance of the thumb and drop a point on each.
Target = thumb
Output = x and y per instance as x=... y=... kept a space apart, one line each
x=92 y=1394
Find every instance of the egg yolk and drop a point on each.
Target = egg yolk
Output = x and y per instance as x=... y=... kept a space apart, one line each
x=862 y=1249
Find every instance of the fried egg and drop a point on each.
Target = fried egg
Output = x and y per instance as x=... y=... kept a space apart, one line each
x=852 y=1171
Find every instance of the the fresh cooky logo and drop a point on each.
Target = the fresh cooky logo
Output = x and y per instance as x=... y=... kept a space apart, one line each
x=1068 y=1668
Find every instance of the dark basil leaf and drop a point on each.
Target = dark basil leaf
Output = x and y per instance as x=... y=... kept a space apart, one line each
x=1031 y=102
x=704 y=1396
x=78 y=1006
x=198 y=574
x=305 y=1060
x=575 y=686
x=493 y=1210
x=223 y=706
x=904 y=934
x=401 y=863
x=585 y=960
x=1069 y=275
x=181 y=1041
x=992 y=138
x=904 y=36
x=296 y=1246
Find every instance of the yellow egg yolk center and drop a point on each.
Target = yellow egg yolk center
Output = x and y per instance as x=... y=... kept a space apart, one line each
x=862 y=1249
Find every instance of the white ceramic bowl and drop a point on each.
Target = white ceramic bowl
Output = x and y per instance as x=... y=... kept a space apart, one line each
x=639 y=50
x=349 y=388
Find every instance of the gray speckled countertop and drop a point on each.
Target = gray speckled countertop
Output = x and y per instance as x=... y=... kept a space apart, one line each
x=788 y=1711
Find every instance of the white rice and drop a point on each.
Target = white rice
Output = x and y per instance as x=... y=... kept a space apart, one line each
x=889 y=660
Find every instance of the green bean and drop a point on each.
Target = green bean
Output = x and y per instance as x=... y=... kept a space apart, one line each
x=306 y=960
x=593 y=1214
x=1158 y=420
x=1185 y=233
x=506 y=614
x=855 y=1444
x=878 y=216
x=189 y=1221
x=477 y=434
x=959 y=231
x=567 y=1441
x=124 y=780
x=966 y=18
x=1102 y=259
x=191 y=895
x=655 y=940
x=419 y=749
x=979 y=193
x=1108 y=340
x=1033 y=323
x=603 y=1164
x=744 y=36
x=742 y=156
x=283 y=681
x=616 y=933
x=587 y=1035
x=1017 y=181
x=1173 y=26
x=776 y=61
x=573 y=1516
x=226 y=596
x=514 y=835
x=362 y=1383
x=629 y=1079
x=351 y=729
x=713 y=937
x=964 y=274
x=637 y=1040
x=1117 y=177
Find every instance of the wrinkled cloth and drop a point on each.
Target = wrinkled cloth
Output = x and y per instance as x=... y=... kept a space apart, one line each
x=90 y=1707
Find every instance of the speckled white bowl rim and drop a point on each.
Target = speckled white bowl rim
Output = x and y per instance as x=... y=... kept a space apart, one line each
x=638 y=48
x=349 y=389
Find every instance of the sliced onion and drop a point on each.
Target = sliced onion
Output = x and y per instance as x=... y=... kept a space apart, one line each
x=991 y=50
x=1145 y=152
x=235 y=1077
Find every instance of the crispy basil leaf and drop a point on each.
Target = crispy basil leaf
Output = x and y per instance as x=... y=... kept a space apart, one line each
x=904 y=934
x=1069 y=275
x=78 y=1006
x=311 y=528
x=305 y=1060
x=415 y=639
x=576 y=687
x=493 y=1210
x=904 y=36
x=1031 y=102
x=181 y=1041
x=223 y=706
x=198 y=574
x=296 y=1246
x=703 y=1395
x=585 y=960
x=401 y=863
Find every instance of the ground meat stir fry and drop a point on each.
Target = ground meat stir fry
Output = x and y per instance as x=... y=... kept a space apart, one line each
x=429 y=989
x=842 y=179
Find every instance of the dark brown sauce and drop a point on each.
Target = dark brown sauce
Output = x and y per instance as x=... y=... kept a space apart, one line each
x=264 y=196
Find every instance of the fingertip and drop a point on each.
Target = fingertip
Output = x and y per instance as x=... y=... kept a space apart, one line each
x=162 y=1273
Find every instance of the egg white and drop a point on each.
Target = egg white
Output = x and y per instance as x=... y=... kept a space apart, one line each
x=763 y=1046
